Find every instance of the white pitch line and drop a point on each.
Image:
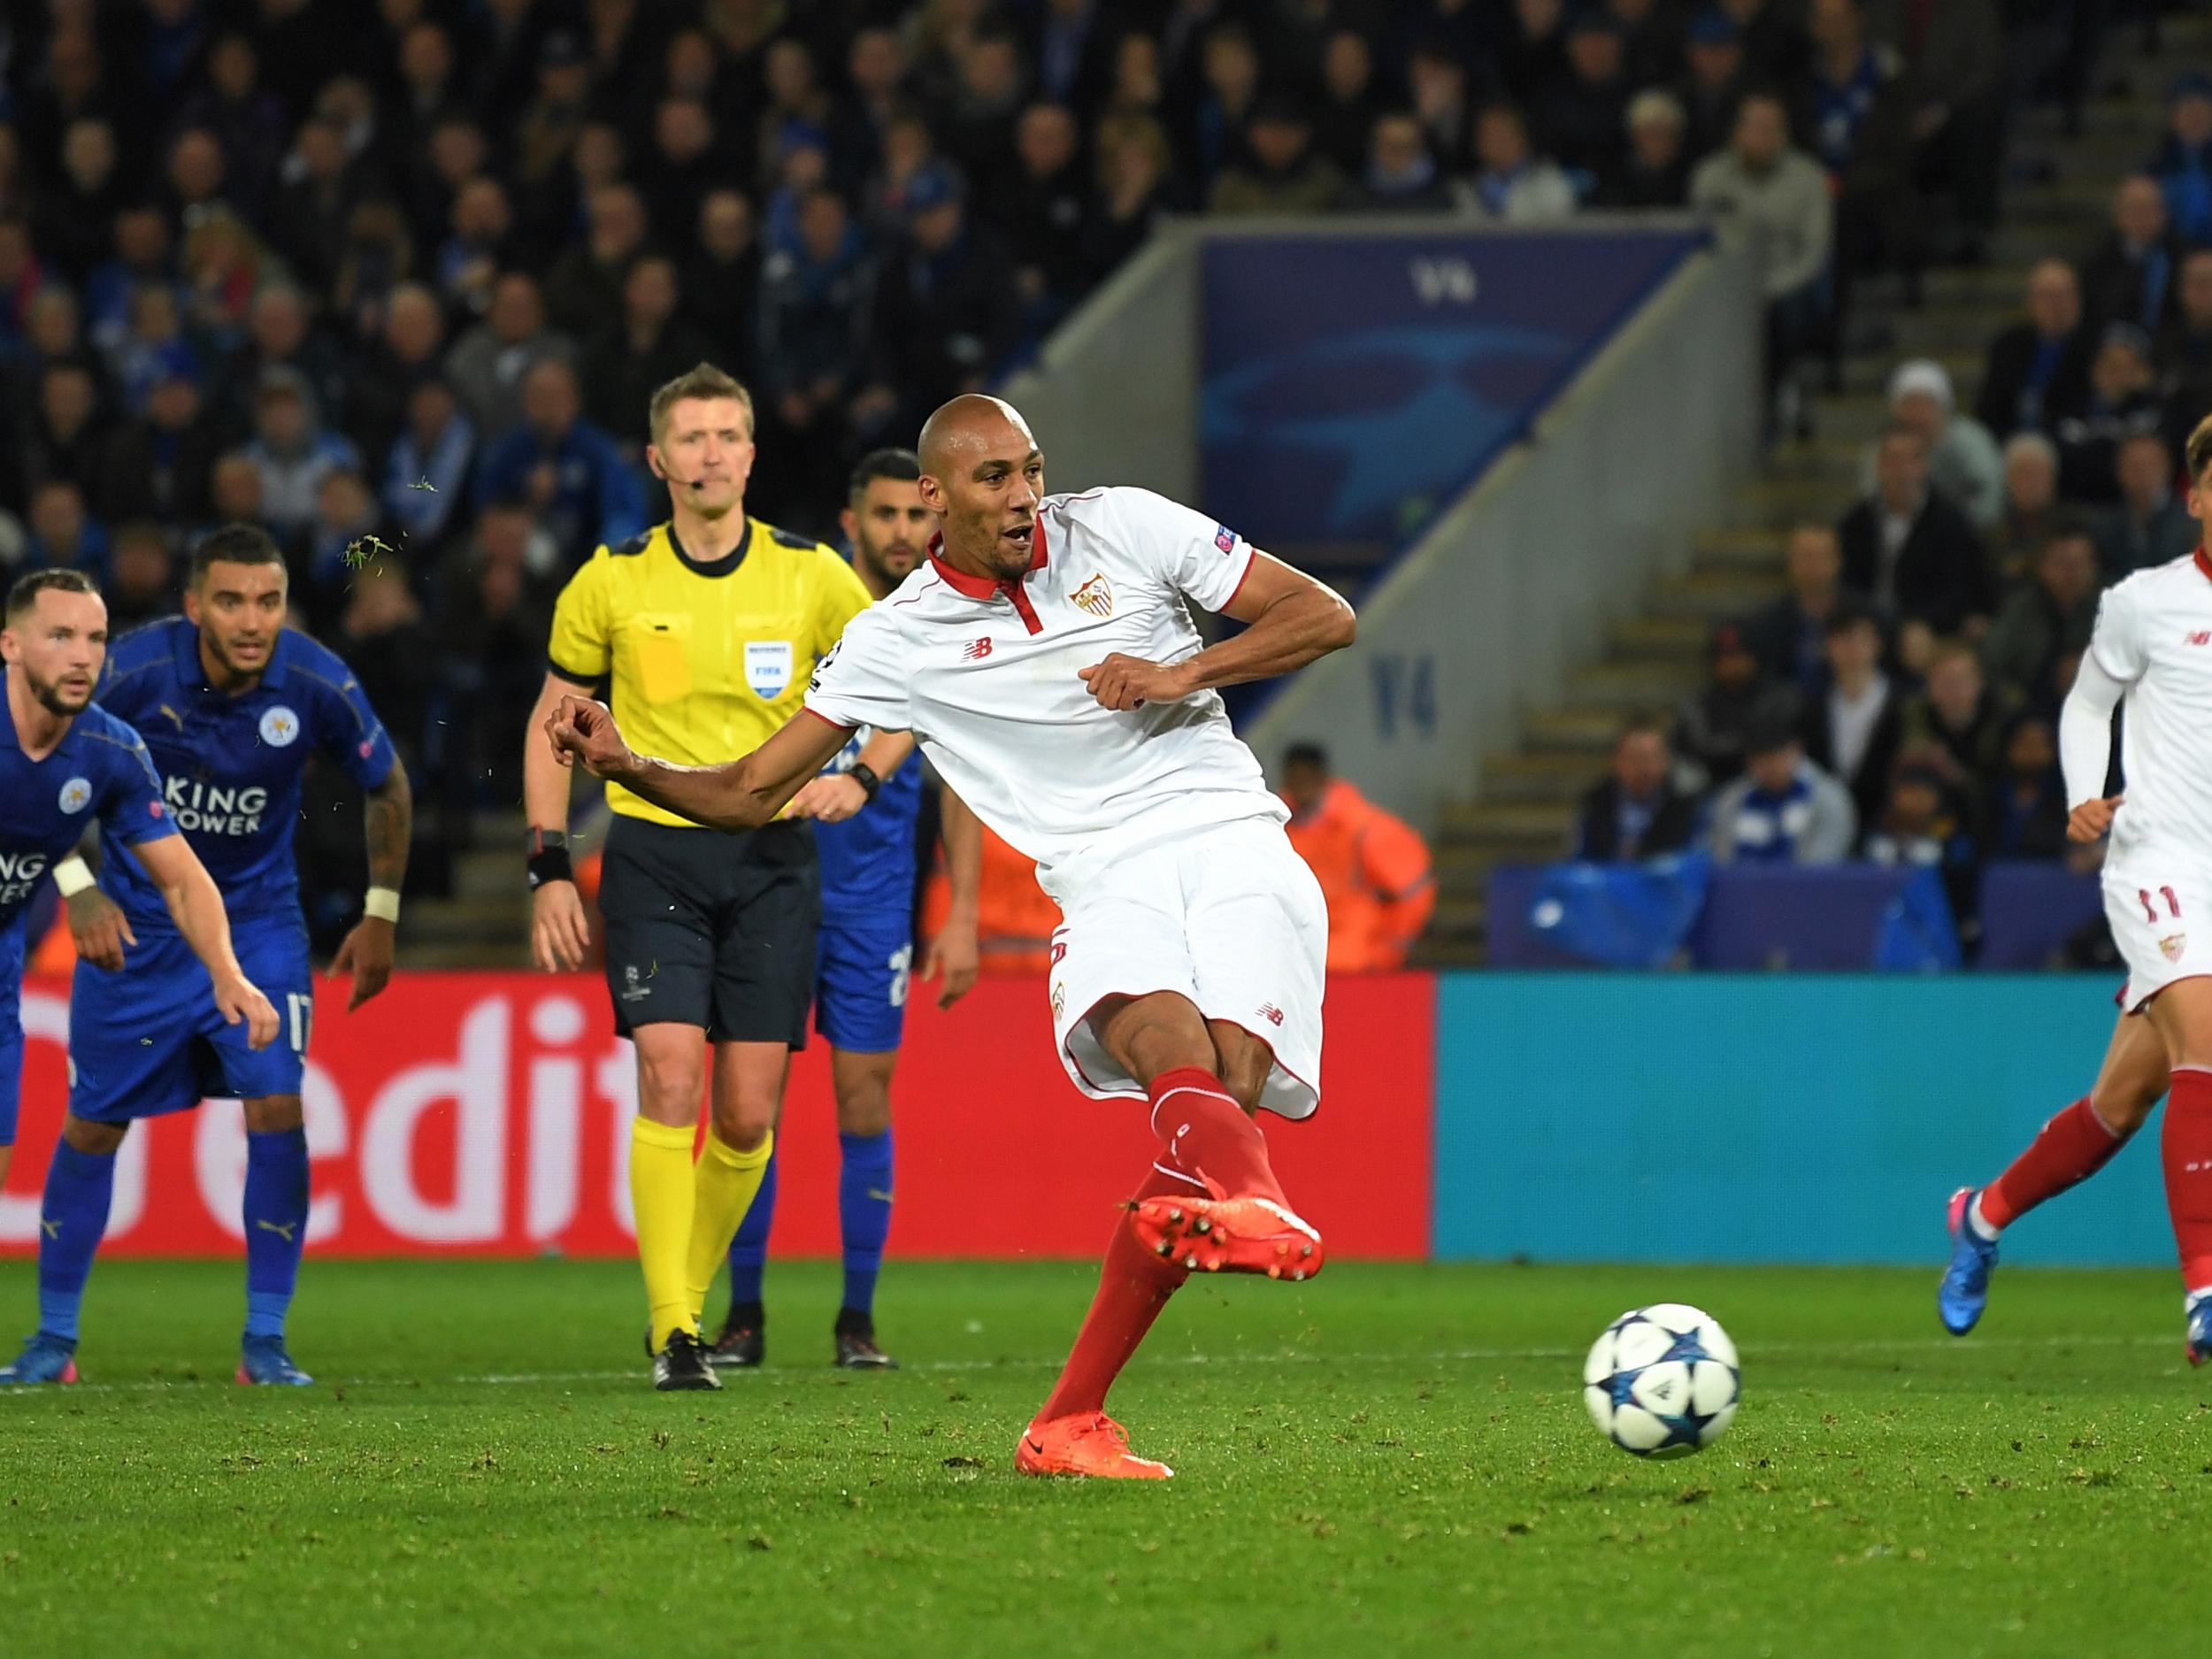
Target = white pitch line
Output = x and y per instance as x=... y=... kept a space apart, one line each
x=1445 y=1356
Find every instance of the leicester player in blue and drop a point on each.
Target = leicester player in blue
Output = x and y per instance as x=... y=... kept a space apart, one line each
x=865 y=836
x=231 y=705
x=64 y=764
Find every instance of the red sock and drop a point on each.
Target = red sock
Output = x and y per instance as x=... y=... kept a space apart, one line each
x=1132 y=1288
x=1206 y=1132
x=2188 y=1149
x=2068 y=1150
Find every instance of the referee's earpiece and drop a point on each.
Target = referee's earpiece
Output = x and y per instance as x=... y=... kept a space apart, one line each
x=660 y=472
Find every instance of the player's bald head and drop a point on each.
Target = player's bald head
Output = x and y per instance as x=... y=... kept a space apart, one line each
x=970 y=426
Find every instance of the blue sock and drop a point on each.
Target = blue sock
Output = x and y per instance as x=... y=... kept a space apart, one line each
x=863 y=1208
x=749 y=1250
x=72 y=1216
x=276 y=1225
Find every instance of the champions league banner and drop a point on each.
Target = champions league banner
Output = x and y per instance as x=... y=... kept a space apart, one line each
x=490 y=1114
x=1353 y=404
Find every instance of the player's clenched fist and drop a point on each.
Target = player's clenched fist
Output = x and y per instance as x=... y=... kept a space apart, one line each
x=2090 y=821
x=1130 y=682
x=583 y=731
x=238 y=998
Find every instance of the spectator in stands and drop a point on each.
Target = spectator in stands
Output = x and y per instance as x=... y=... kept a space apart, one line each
x=1133 y=164
x=1015 y=921
x=1399 y=175
x=73 y=222
x=2037 y=373
x=141 y=579
x=410 y=350
x=280 y=334
x=66 y=442
x=2031 y=510
x=2047 y=620
x=648 y=345
x=721 y=281
x=1512 y=183
x=2183 y=166
x=489 y=362
x=1708 y=729
x=686 y=162
x=246 y=120
x=1964 y=462
x=1783 y=809
x=1954 y=58
x=1230 y=69
x=346 y=533
x=1960 y=714
x=2133 y=275
x=427 y=475
x=1437 y=78
x=946 y=313
x=293 y=453
x=1582 y=119
x=2183 y=352
x=1789 y=635
x=1348 y=101
x=1636 y=810
x=568 y=470
x=1908 y=549
x=234 y=488
x=2149 y=525
x=1715 y=85
x=1052 y=201
x=1278 y=172
x=142 y=253
x=63 y=534
x=381 y=635
x=2122 y=401
x=1923 y=825
x=157 y=464
x=1764 y=191
x=1854 y=729
x=1656 y=173
x=2026 y=813
x=480 y=242
x=155 y=346
x=1373 y=868
x=583 y=290
x=1854 y=110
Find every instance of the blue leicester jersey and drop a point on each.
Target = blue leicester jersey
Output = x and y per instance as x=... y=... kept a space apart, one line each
x=99 y=772
x=230 y=766
x=868 y=860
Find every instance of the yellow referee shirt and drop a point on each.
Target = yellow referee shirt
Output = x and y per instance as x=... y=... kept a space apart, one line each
x=706 y=657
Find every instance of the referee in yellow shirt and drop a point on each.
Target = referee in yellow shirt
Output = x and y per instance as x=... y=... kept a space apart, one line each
x=709 y=627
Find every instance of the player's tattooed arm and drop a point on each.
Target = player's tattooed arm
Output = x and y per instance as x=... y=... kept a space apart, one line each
x=738 y=795
x=387 y=824
x=955 y=953
x=1291 y=619
x=835 y=796
x=97 y=925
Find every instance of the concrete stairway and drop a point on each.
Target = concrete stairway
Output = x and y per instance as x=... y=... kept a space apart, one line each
x=1525 y=807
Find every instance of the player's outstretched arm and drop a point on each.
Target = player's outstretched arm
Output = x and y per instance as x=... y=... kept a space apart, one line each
x=738 y=795
x=197 y=908
x=835 y=796
x=955 y=953
x=388 y=826
x=1291 y=619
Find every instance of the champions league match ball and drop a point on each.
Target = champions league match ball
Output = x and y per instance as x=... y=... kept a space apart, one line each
x=1663 y=1381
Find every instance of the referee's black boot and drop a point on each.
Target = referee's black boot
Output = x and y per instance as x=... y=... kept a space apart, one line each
x=856 y=1349
x=682 y=1364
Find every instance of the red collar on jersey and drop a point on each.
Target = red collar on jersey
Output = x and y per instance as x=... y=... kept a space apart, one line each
x=2204 y=564
x=984 y=588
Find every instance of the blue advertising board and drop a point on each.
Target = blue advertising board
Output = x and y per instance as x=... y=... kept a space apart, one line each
x=1353 y=385
x=1724 y=1118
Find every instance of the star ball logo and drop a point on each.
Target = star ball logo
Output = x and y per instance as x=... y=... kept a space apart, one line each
x=76 y=795
x=280 y=726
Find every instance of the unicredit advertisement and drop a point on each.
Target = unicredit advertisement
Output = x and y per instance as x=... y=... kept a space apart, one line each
x=489 y=1115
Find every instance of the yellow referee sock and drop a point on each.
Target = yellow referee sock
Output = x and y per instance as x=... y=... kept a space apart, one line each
x=724 y=1184
x=660 y=1194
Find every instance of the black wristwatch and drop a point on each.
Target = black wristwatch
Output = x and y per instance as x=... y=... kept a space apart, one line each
x=548 y=860
x=865 y=777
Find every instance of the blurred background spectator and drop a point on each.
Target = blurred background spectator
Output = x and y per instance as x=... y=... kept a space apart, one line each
x=1373 y=868
x=1637 y=810
x=1783 y=809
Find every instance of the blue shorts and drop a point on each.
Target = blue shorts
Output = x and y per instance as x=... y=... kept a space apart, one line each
x=11 y=945
x=149 y=1040
x=862 y=960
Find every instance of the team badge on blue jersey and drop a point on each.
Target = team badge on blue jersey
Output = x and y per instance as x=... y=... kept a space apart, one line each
x=76 y=795
x=280 y=726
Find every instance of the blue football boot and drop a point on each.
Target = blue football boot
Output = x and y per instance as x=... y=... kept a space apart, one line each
x=263 y=1361
x=45 y=1358
x=1964 y=1292
x=2200 y=1330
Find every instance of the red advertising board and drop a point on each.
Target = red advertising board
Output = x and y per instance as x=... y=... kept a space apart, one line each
x=489 y=1115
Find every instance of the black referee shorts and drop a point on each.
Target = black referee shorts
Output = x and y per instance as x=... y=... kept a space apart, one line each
x=712 y=929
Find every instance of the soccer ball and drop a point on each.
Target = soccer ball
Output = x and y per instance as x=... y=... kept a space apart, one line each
x=1663 y=1381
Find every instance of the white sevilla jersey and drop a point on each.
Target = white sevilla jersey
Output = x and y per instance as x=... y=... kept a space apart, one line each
x=2154 y=635
x=985 y=675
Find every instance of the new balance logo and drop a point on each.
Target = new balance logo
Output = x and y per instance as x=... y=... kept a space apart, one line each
x=283 y=1230
x=1271 y=1014
x=976 y=650
x=2200 y=639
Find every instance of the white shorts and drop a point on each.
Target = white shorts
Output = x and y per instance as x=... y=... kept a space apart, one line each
x=1230 y=918
x=2161 y=917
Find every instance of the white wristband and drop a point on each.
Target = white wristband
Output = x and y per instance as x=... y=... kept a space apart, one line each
x=383 y=903
x=73 y=875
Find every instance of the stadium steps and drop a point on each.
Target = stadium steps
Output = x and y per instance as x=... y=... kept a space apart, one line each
x=1524 y=809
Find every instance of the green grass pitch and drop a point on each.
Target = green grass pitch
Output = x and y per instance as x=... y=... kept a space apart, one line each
x=1391 y=1461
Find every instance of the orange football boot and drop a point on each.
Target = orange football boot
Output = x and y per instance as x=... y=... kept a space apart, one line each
x=1089 y=1443
x=1236 y=1235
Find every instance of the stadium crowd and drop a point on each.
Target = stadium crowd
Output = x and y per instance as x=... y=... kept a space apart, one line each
x=398 y=275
